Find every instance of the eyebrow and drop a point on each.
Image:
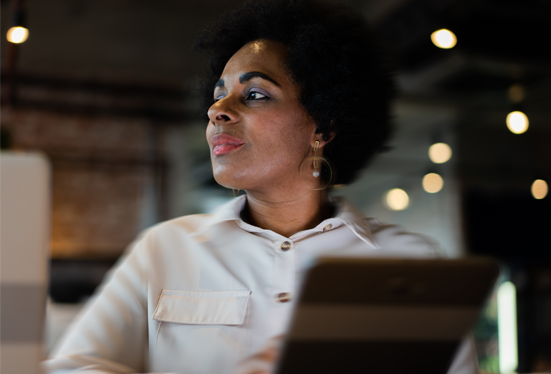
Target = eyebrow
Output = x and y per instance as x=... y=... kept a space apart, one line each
x=256 y=74
x=247 y=77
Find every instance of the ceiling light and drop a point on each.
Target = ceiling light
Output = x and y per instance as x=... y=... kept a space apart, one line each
x=17 y=34
x=444 y=39
x=396 y=199
x=539 y=189
x=517 y=122
x=516 y=93
x=440 y=153
x=432 y=183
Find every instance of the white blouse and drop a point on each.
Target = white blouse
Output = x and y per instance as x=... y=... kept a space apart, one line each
x=200 y=293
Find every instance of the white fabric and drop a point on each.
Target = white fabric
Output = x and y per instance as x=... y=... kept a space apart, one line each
x=202 y=308
x=153 y=314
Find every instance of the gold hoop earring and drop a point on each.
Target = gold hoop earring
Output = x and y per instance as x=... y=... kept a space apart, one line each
x=311 y=168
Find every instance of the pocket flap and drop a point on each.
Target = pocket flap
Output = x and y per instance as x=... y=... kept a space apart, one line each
x=202 y=308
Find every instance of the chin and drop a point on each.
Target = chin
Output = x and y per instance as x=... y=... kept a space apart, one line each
x=226 y=179
x=239 y=178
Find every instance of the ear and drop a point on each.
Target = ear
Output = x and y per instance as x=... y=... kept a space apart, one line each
x=328 y=139
x=324 y=139
x=322 y=143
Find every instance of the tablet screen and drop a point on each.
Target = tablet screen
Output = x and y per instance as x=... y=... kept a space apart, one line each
x=385 y=315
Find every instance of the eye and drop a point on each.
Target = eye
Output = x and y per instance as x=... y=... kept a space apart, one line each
x=253 y=95
x=218 y=98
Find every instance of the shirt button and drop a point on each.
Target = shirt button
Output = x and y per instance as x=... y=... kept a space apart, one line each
x=285 y=246
x=327 y=228
x=283 y=297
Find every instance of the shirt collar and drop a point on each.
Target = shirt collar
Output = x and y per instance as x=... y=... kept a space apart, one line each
x=346 y=215
x=357 y=222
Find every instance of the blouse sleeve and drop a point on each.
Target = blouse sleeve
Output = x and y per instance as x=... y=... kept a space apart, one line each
x=110 y=334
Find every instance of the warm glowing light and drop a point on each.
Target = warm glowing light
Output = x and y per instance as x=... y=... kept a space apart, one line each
x=516 y=93
x=539 y=189
x=507 y=327
x=432 y=183
x=517 y=122
x=444 y=38
x=17 y=34
x=440 y=153
x=397 y=199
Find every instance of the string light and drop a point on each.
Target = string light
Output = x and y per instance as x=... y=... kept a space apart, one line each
x=444 y=39
x=440 y=153
x=539 y=189
x=432 y=183
x=396 y=199
x=517 y=122
x=17 y=34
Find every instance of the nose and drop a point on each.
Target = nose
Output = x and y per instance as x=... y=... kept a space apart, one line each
x=221 y=112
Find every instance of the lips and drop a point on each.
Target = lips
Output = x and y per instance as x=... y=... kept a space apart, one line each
x=224 y=143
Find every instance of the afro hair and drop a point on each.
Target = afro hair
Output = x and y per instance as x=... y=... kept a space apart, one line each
x=335 y=60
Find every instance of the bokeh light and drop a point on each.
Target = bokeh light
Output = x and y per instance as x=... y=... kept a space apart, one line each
x=517 y=122
x=444 y=39
x=397 y=199
x=432 y=183
x=516 y=93
x=17 y=34
x=539 y=189
x=440 y=153
x=507 y=327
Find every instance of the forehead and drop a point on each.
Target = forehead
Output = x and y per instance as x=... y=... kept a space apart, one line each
x=265 y=56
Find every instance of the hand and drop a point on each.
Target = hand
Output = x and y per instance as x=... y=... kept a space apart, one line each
x=262 y=362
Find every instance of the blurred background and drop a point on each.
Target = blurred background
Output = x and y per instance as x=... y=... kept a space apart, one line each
x=106 y=90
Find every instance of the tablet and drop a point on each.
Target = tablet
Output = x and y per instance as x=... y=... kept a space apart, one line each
x=361 y=315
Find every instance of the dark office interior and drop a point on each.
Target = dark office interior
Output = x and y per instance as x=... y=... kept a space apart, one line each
x=107 y=90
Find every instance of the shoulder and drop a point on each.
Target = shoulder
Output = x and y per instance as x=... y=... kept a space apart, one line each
x=396 y=238
x=181 y=232
x=386 y=237
x=198 y=224
x=191 y=224
x=160 y=253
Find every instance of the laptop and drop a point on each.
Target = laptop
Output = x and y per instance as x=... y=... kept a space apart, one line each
x=365 y=315
x=24 y=240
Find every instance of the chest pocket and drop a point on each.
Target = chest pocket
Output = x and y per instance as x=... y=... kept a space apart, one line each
x=202 y=308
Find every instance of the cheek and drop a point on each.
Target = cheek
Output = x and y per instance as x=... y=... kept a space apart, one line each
x=274 y=136
x=293 y=132
x=283 y=142
x=209 y=132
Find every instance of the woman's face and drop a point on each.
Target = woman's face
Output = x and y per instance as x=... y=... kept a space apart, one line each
x=258 y=132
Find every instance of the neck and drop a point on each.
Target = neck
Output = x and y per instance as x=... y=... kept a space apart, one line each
x=287 y=215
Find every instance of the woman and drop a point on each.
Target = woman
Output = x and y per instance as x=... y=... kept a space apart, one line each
x=292 y=85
